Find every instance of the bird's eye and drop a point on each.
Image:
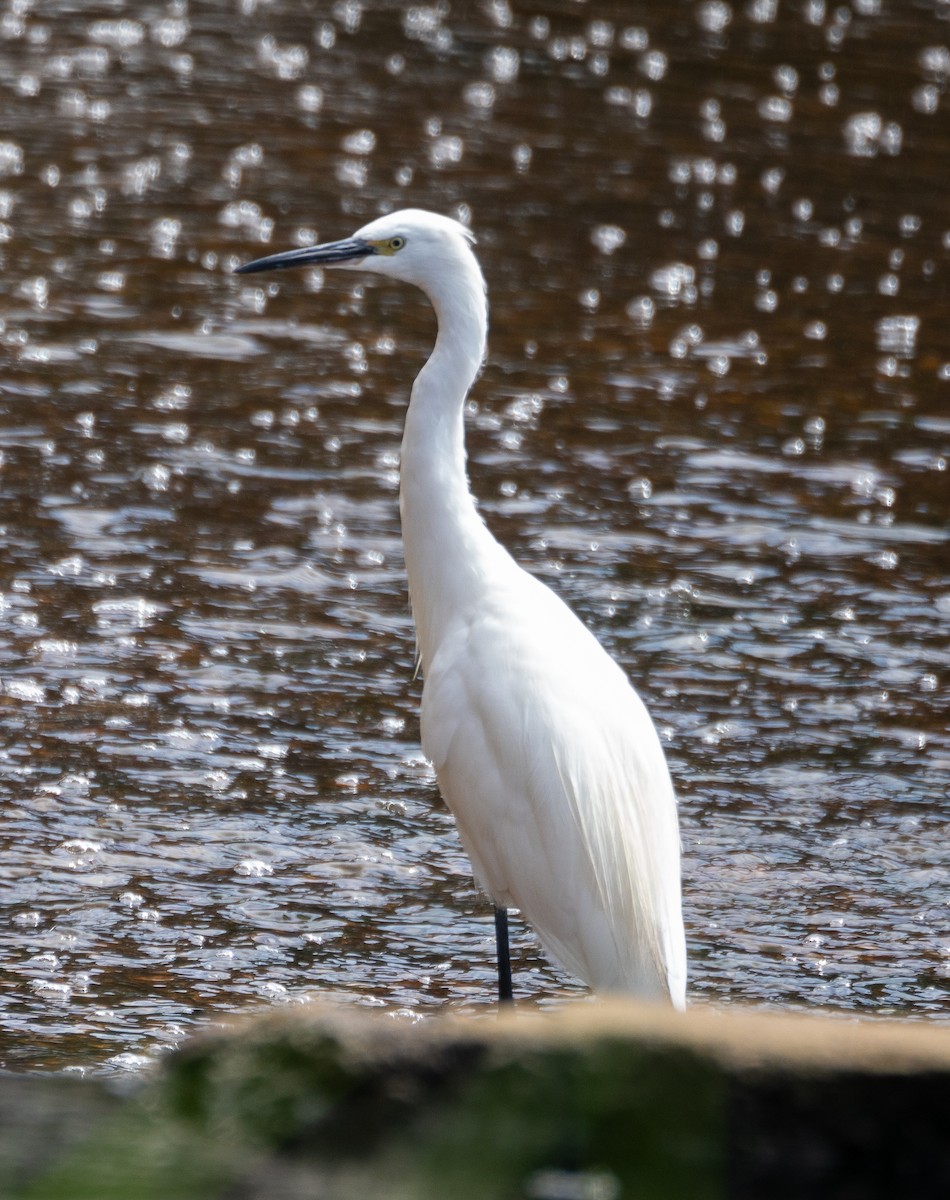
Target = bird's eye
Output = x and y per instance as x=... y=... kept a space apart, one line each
x=396 y=243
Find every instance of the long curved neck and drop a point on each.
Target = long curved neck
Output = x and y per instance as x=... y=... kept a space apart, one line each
x=446 y=543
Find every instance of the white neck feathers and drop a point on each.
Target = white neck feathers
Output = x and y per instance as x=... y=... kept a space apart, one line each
x=446 y=543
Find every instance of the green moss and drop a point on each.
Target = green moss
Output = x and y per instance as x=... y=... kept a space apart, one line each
x=410 y=1117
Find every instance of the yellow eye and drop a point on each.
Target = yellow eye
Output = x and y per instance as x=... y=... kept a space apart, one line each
x=389 y=246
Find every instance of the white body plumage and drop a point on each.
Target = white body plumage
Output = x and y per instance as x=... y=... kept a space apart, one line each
x=543 y=751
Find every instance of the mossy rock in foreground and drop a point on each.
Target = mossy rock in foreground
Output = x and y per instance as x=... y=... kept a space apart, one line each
x=592 y=1102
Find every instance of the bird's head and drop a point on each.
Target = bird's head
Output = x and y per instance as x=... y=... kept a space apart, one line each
x=412 y=245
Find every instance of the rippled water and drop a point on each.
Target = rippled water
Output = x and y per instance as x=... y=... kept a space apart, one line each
x=715 y=418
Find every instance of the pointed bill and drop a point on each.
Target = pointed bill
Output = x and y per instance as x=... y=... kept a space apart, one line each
x=348 y=250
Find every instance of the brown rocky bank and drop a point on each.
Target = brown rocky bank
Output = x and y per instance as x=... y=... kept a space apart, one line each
x=595 y=1101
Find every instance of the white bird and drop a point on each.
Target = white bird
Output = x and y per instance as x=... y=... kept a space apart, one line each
x=543 y=751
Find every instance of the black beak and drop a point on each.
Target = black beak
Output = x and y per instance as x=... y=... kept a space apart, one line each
x=349 y=250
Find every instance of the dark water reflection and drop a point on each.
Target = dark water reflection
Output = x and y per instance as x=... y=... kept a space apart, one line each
x=715 y=418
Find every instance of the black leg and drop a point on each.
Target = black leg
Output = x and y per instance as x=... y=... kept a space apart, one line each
x=505 y=994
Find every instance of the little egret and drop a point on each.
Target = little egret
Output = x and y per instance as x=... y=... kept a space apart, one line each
x=543 y=751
